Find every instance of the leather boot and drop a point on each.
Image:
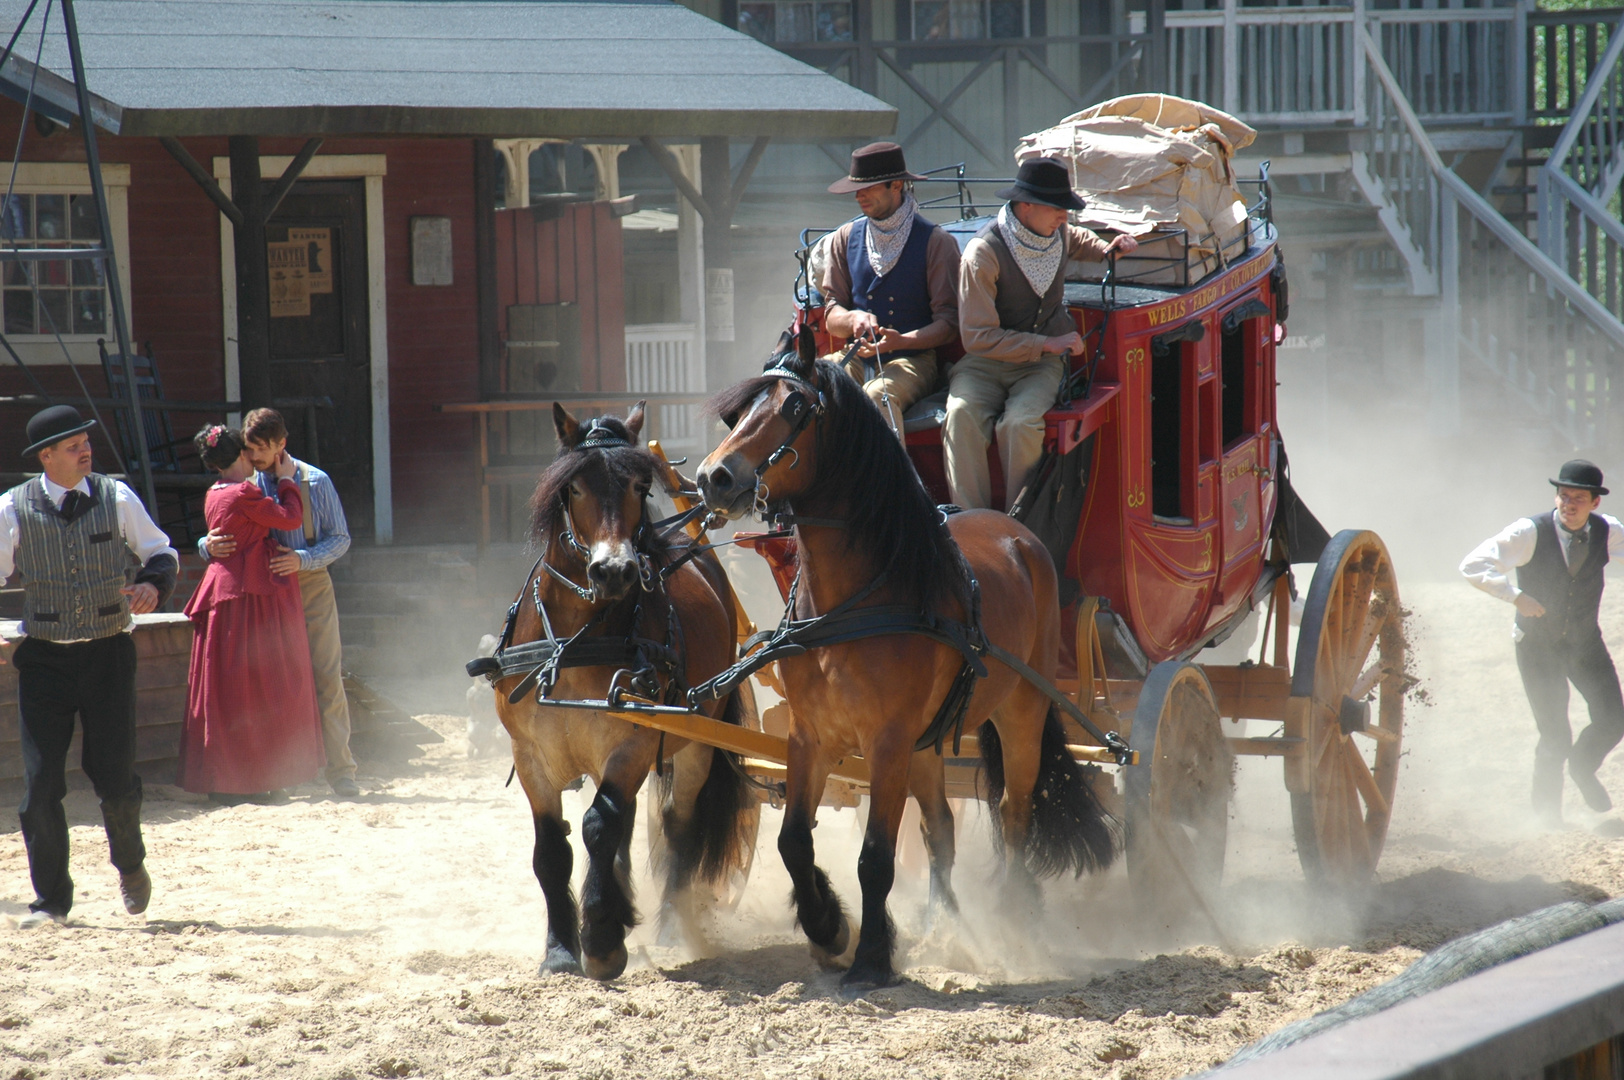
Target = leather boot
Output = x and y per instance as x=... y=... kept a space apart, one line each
x=1547 y=791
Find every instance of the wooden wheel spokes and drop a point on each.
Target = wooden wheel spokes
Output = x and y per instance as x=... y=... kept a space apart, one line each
x=1177 y=797
x=1350 y=662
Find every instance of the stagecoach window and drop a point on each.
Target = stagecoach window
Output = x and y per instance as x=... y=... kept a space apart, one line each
x=780 y=22
x=948 y=20
x=1168 y=438
x=1234 y=377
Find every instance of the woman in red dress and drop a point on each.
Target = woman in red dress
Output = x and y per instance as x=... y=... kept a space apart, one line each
x=252 y=722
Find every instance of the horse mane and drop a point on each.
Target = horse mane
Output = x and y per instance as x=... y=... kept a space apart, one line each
x=890 y=517
x=624 y=463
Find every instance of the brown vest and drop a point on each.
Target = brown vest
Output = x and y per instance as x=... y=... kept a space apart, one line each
x=1019 y=307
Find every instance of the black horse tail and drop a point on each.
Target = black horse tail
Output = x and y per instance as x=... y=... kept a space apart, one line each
x=1070 y=830
x=717 y=837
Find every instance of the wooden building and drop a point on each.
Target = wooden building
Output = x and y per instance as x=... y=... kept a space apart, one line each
x=393 y=279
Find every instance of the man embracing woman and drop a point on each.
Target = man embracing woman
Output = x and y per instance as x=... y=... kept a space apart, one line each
x=252 y=722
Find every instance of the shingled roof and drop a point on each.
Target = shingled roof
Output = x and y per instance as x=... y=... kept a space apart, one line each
x=502 y=68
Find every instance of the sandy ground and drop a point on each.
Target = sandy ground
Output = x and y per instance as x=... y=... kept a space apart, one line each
x=399 y=935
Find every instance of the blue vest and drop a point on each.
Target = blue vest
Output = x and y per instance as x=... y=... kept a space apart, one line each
x=900 y=299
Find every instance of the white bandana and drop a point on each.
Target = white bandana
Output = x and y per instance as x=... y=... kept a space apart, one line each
x=885 y=238
x=1039 y=257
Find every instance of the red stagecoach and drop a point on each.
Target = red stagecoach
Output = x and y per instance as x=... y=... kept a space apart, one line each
x=1165 y=497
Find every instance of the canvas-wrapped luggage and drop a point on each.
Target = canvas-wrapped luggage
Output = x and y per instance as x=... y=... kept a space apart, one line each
x=1159 y=168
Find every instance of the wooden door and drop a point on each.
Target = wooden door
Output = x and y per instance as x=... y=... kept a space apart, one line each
x=319 y=331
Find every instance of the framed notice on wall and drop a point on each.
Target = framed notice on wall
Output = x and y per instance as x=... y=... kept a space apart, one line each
x=431 y=251
x=290 y=279
x=318 y=244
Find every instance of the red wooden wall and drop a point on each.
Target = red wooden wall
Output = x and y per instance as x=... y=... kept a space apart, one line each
x=175 y=304
x=575 y=258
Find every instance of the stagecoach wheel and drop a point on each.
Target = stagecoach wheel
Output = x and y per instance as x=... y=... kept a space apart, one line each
x=1177 y=796
x=1348 y=687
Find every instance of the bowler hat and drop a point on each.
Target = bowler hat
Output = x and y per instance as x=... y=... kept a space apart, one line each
x=1580 y=473
x=52 y=426
x=1046 y=181
x=876 y=163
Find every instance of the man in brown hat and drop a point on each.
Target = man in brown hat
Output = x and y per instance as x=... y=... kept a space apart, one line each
x=1559 y=557
x=71 y=533
x=1017 y=333
x=891 y=282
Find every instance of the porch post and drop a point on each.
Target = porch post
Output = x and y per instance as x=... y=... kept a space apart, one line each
x=1443 y=358
x=253 y=276
x=716 y=178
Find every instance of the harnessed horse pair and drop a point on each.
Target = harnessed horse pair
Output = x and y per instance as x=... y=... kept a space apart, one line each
x=894 y=608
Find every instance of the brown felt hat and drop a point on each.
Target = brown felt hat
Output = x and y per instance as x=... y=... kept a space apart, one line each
x=876 y=163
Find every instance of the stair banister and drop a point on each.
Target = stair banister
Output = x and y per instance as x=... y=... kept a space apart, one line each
x=1554 y=275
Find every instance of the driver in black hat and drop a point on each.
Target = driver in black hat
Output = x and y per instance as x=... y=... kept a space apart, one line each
x=71 y=533
x=1017 y=333
x=892 y=283
x=1559 y=557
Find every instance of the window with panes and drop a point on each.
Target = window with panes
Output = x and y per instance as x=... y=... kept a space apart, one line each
x=54 y=296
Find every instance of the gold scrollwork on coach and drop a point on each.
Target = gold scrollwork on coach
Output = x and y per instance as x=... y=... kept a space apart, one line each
x=1133 y=357
x=1136 y=497
x=1206 y=554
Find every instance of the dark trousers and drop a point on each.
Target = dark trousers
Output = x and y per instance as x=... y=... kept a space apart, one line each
x=1547 y=667
x=96 y=681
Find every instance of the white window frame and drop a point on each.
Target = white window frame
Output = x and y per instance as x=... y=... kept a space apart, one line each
x=73 y=178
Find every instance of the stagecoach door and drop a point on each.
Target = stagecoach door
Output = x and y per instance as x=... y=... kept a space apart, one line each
x=1240 y=513
x=316 y=248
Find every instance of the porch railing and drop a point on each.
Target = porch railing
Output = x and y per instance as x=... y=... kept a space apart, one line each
x=1579 y=224
x=664 y=358
x=1502 y=300
x=1303 y=66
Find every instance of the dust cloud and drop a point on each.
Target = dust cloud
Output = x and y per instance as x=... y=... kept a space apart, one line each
x=399 y=936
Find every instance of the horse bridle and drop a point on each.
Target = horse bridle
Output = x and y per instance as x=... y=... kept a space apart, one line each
x=801 y=406
x=598 y=437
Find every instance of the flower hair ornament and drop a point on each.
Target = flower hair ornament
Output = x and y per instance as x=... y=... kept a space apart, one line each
x=213 y=437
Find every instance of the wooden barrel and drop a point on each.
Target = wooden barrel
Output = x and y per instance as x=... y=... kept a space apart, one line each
x=163 y=645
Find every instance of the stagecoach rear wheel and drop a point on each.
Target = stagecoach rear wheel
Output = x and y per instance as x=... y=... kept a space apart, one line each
x=1177 y=796
x=1347 y=686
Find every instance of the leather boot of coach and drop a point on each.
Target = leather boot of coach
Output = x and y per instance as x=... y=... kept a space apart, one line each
x=1547 y=792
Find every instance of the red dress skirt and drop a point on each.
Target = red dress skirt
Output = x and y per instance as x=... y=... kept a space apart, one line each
x=252 y=722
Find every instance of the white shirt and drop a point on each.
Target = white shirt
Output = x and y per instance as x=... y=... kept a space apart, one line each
x=141 y=535
x=1490 y=564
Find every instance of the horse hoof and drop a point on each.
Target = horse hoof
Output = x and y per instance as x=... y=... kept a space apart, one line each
x=559 y=962
x=608 y=967
x=834 y=957
x=859 y=981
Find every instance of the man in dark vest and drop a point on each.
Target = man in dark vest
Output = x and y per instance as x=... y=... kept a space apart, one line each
x=71 y=533
x=1559 y=557
x=1017 y=333
x=891 y=282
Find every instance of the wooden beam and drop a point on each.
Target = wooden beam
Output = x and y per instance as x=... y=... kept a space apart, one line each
x=742 y=180
x=668 y=162
x=203 y=179
x=289 y=176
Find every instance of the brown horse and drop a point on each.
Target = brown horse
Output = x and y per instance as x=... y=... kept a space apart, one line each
x=805 y=439
x=598 y=582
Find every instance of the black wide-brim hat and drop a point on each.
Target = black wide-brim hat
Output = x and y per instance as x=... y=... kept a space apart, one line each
x=52 y=426
x=1046 y=181
x=876 y=163
x=1580 y=473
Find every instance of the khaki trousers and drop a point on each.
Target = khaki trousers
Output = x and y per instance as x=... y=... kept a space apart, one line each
x=327 y=662
x=899 y=384
x=984 y=396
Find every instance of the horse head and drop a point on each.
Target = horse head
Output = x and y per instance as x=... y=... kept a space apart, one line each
x=770 y=452
x=590 y=503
